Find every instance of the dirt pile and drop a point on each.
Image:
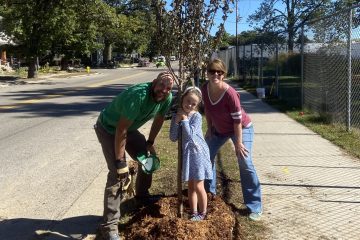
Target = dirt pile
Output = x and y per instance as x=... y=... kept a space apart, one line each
x=160 y=221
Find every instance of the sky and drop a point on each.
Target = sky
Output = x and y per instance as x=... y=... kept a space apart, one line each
x=245 y=8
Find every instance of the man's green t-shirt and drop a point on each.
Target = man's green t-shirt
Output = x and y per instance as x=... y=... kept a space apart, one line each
x=135 y=104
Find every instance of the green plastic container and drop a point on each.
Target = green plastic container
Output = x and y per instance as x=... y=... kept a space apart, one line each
x=149 y=163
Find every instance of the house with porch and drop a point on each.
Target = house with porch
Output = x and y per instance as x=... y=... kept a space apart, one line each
x=4 y=41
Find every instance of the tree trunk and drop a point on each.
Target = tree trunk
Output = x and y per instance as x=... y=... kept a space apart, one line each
x=180 y=205
x=291 y=24
x=107 y=52
x=291 y=41
x=179 y=176
x=32 y=72
x=64 y=64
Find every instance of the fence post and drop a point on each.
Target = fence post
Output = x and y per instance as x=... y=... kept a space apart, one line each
x=277 y=69
x=261 y=65
x=237 y=60
x=348 y=116
x=237 y=43
x=244 y=63
x=251 y=64
x=302 y=66
x=258 y=71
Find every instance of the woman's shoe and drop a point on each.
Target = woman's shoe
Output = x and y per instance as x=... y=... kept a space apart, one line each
x=255 y=216
x=113 y=236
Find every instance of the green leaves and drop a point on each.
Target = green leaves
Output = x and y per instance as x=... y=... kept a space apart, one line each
x=286 y=16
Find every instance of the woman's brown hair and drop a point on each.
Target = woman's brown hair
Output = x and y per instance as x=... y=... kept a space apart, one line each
x=216 y=64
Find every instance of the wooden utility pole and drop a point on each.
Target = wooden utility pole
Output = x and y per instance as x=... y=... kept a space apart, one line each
x=237 y=41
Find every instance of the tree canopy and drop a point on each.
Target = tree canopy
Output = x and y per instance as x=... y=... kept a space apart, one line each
x=76 y=28
x=185 y=28
x=63 y=26
x=333 y=27
x=287 y=16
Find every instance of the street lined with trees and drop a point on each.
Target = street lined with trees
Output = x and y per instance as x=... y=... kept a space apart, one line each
x=89 y=30
x=76 y=29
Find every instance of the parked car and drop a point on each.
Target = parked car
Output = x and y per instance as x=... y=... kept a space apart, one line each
x=160 y=61
x=118 y=58
x=144 y=63
x=172 y=58
x=161 y=58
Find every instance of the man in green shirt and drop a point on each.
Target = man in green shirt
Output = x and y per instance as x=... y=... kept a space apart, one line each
x=117 y=131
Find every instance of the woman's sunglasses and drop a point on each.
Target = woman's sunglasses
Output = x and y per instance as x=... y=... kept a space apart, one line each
x=213 y=71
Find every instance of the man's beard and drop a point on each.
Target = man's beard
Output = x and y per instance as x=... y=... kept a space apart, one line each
x=156 y=98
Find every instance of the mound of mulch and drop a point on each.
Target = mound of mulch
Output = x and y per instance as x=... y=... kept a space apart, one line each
x=160 y=221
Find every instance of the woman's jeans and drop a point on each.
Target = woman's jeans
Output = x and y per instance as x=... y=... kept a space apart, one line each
x=249 y=180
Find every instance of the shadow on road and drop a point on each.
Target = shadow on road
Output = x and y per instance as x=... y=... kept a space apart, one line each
x=46 y=107
x=32 y=229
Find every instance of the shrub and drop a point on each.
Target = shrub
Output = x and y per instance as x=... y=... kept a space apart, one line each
x=289 y=64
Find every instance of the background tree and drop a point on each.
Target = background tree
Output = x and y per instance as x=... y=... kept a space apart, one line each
x=333 y=28
x=136 y=25
x=256 y=37
x=109 y=26
x=133 y=30
x=63 y=26
x=226 y=40
x=146 y=30
x=29 y=24
x=184 y=27
x=286 y=16
x=85 y=36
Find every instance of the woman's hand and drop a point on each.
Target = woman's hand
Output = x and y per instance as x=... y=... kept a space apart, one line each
x=241 y=151
x=208 y=133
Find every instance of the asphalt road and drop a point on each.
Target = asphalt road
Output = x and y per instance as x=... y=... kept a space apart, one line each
x=49 y=154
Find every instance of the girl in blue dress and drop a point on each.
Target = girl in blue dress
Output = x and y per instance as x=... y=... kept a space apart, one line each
x=196 y=164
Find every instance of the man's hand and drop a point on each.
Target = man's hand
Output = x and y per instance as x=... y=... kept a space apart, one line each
x=122 y=170
x=150 y=147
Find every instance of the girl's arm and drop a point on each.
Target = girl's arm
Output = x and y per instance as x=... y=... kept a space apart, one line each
x=190 y=128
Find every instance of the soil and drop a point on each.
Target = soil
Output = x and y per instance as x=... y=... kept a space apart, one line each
x=160 y=221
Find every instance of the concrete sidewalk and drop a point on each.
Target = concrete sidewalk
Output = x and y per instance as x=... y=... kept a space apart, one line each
x=310 y=187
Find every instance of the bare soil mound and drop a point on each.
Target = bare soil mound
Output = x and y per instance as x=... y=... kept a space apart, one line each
x=160 y=221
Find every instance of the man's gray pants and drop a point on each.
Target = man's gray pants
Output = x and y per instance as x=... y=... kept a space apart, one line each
x=135 y=144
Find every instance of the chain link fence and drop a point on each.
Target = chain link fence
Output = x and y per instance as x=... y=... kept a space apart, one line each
x=267 y=66
x=321 y=74
x=331 y=73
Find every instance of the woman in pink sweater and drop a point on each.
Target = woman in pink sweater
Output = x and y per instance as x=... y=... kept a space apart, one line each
x=227 y=119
